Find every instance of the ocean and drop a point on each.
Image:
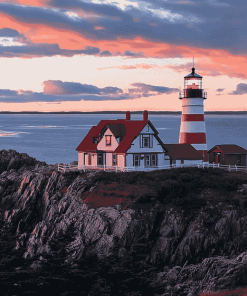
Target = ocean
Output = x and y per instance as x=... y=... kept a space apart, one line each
x=53 y=138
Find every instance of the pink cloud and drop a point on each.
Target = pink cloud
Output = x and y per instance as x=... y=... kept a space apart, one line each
x=185 y=2
x=209 y=68
x=28 y=2
x=212 y=61
x=99 y=28
x=131 y=67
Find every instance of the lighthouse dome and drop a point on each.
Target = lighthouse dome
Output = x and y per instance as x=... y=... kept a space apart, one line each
x=193 y=74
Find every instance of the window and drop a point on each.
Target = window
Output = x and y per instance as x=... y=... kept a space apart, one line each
x=95 y=140
x=182 y=161
x=147 y=128
x=153 y=160
x=150 y=160
x=114 y=159
x=146 y=141
x=108 y=140
x=147 y=160
x=238 y=159
x=89 y=158
x=100 y=158
x=136 y=160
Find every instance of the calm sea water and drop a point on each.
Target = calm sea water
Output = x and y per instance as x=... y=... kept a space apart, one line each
x=54 y=138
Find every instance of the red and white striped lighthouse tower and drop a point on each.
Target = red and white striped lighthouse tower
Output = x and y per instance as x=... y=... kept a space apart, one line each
x=192 y=128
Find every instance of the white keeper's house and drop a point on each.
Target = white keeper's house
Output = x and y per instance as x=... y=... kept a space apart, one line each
x=132 y=144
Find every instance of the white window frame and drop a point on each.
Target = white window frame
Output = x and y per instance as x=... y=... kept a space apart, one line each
x=136 y=158
x=147 y=160
x=146 y=142
x=153 y=160
x=108 y=140
x=149 y=138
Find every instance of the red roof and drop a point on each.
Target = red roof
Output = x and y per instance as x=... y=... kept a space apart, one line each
x=131 y=130
x=182 y=151
x=229 y=149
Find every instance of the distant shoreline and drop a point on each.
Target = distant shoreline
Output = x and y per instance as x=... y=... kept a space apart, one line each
x=123 y=112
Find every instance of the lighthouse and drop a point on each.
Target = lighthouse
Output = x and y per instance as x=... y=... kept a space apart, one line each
x=192 y=128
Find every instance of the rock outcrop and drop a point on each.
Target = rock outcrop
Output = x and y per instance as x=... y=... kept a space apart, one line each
x=10 y=159
x=202 y=249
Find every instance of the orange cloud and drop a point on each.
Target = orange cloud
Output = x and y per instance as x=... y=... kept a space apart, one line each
x=92 y=16
x=38 y=33
x=99 y=28
x=28 y=2
x=213 y=61
x=185 y=2
x=213 y=66
x=131 y=67
x=153 y=24
x=51 y=88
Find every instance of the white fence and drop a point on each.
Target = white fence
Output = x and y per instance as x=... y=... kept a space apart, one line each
x=230 y=168
x=61 y=167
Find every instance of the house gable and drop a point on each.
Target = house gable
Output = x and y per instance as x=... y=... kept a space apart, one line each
x=148 y=129
x=132 y=129
x=108 y=141
x=217 y=150
x=146 y=141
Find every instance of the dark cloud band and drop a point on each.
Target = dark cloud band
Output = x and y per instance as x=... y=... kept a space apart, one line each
x=59 y=91
x=240 y=90
x=198 y=23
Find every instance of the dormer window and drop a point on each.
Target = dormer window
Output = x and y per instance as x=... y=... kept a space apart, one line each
x=95 y=140
x=108 y=140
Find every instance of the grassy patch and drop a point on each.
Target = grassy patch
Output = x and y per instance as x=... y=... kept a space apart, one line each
x=185 y=187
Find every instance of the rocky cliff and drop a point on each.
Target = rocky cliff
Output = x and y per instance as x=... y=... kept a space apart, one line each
x=193 y=221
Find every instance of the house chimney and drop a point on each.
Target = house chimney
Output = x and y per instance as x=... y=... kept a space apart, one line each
x=145 y=115
x=127 y=115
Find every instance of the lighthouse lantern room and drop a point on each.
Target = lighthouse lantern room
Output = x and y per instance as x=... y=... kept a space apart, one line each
x=192 y=128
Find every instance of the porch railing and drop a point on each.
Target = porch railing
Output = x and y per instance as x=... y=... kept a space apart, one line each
x=230 y=168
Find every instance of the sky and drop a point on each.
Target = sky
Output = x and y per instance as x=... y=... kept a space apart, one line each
x=96 y=55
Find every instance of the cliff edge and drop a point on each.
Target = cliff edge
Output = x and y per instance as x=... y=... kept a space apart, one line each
x=189 y=225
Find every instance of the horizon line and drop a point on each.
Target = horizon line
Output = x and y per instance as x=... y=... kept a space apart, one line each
x=115 y=112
